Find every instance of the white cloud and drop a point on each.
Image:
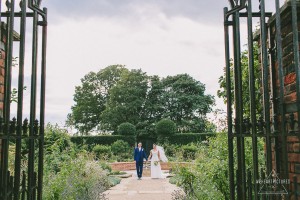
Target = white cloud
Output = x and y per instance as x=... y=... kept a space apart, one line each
x=157 y=44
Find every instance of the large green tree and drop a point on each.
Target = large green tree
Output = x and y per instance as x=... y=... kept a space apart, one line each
x=91 y=96
x=153 y=108
x=185 y=102
x=116 y=95
x=126 y=100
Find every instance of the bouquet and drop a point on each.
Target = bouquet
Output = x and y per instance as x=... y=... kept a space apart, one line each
x=156 y=163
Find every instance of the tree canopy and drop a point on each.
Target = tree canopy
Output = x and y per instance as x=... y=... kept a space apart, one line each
x=116 y=95
x=91 y=96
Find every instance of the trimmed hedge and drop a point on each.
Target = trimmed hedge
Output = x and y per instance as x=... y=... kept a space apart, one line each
x=102 y=140
x=186 y=138
x=178 y=138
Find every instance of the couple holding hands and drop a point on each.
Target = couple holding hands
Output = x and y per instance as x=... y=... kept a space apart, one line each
x=156 y=155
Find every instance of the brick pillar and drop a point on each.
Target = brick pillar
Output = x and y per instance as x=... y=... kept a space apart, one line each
x=290 y=97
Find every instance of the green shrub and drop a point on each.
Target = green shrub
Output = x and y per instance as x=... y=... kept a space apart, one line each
x=210 y=172
x=117 y=173
x=126 y=129
x=113 y=180
x=106 y=166
x=56 y=138
x=121 y=149
x=102 y=151
x=165 y=128
x=174 y=180
x=171 y=149
x=70 y=172
x=189 y=151
x=79 y=178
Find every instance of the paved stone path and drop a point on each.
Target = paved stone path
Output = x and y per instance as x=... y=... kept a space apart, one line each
x=145 y=189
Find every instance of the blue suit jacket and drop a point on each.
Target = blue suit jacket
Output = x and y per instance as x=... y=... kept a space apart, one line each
x=139 y=155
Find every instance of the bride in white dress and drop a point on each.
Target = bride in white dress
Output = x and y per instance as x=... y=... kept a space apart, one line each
x=157 y=154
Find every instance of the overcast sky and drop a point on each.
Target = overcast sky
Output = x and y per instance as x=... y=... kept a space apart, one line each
x=161 y=37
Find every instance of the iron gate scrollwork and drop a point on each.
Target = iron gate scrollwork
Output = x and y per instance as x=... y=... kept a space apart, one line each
x=279 y=118
x=23 y=136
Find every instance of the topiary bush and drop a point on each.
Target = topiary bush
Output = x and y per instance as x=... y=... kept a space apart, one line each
x=121 y=149
x=165 y=128
x=102 y=151
x=189 y=151
x=126 y=129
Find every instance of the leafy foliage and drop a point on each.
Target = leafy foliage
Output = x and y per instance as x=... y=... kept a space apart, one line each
x=71 y=173
x=102 y=152
x=91 y=97
x=245 y=82
x=189 y=151
x=126 y=100
x=126 y=129
x=121 y=149
x=165 y=128
x=80 y=178
x=210 y=172
x=133 y=96
x=185 y=102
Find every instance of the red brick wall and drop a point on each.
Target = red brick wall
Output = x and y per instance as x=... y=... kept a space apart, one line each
x=290 y=98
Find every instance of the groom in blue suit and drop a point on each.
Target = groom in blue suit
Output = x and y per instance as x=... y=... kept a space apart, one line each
x=139 y=155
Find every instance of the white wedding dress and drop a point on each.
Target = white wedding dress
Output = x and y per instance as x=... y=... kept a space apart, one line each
x=155 y=169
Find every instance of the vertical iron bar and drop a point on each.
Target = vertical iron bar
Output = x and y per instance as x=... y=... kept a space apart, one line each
x=32 y=107
x=20 y=102
x=263 y=196
x=275 y=102
x=241 y=183
x=229 y=108
x=295 y=180
x=23 y=185
x=250 y=184
x=42 y=108
x=265 y=76
x=7 y=95
x=284 y=156
x=296 y=55
x=252 y=96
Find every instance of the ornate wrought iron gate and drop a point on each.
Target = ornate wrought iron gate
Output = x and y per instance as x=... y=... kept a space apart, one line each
x=278 y=121
x=25 y=138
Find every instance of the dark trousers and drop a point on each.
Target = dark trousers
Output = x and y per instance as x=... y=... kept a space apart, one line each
x=139 y=168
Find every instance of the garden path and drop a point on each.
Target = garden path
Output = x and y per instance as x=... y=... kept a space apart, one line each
x=146 y=189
